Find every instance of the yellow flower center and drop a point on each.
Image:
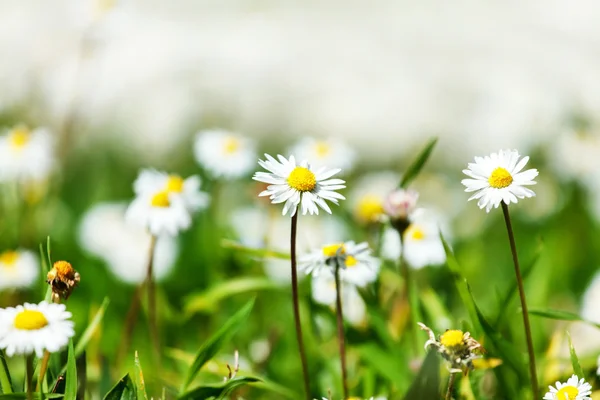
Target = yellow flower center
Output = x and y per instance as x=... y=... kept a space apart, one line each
x=9 y=258
x=231 y=145
x=19 y=137
x=370 y=208
x=351 y=261
x=174 y=184
x=567 y=393
x=332 y=250
x=414 y=232
x=160 y=199
x=452 y=338
x=30 y=320
x=500 y=178
x=322 y=149
x=302 y=179
x=63 y=269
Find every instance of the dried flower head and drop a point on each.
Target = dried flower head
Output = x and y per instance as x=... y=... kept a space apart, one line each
x=62 y=278
x=456 y=347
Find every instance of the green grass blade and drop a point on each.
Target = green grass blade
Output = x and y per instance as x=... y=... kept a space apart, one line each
x=217 y=391
x=5 y=383
x=574 y=359
x=214 y=343
x=92 y=327
x=427 y=383
x=258 y=253
x=561 y=316
x=71 y=383
x=139 y=381
x=417 y=165
x=123 y=390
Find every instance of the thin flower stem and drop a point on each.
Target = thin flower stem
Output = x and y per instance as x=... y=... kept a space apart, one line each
x=130 y=321
x=4 y=379
x=450 y=390
x=297 y=306
x=405 y=272
x=530 y=350
x=152 y=301
x=43 y=368
x=29 y=376
x=340 y=329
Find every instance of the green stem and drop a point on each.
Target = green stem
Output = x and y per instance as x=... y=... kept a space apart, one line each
x=450 y=390
x=414 y=315
x=153 y=326
x=4 y=377
x=29 y=376
x=530 y=349
x=297 y=306
x=340 y=329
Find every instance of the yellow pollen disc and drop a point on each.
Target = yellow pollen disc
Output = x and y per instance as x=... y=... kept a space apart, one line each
x=369 y=209
x=332 y=250
x=9 y=258
x=174 y=184
x=414 y=232
x=351 y=261
x=567 y=393
x=452 y=338
x=500 y=178
x=30 y=320
x=19 y=137
x=302 y=179
x=231 y=145
x=160 y=199
x=322 y=149
x=63 y=268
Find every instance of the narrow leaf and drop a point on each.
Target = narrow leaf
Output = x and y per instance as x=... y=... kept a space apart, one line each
x=253 y=252
x=5 y=384
x=23 y=396
x=217 y=391
x=139 y=381
x=91 y=329
x=71 y=383
x=213 y=344
x=426 y=384
x=417 y=165
x=561 y=316
x=123 y=390
x=574 y=359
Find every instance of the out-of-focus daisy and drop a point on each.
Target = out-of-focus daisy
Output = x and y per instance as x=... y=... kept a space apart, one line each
x=26 y=155
x=224 y=154
x=330 y=152
x=358 y=267
x=458 y=348
x=422 y=245
x=35 y=328
x=296 y=185
x=323 y=292
x=18 y=269
x=368 y=196
x=152 y=181
x=575 y=152
x=498 y=178
x=400 y=203
x=104 y=232
x=573 y=389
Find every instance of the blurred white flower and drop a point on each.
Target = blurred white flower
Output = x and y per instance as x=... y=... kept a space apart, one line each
x=357 y=266
x=353 y=306
x=498 y=178
x=400 y=203
x=391 y=245
x=152 y=181
x=26 y=155
x=259 y=350
x=18 y=269
x=299 y=185
x=159 y=213
x=369 y=193
x=35 y=328
x=331 y=152
x=124 y=248
x=422 y=245
x=224 y=154
x=573 y=389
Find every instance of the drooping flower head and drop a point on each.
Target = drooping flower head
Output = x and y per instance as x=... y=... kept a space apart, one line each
x=498 y=177
x=224 y=154
x=26 y=155
x=62 y=279
x=331 y=152
x=18 y=269
x=298 y=185
x=573 y=389
x=35 y=328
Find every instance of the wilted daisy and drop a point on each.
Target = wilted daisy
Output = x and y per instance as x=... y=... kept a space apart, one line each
x=18 y=269
x=62 y=279
x=224 y=154
x=368 y=196
x=296 y=185
x=330 y=152
x=573 y=389
x=357 y=266
x=323 y=292
x=150 y=181
x=422 y=245
x=498 y=178
x=25 y=155
x=104 y=232
x=35 y=328
x=456 y=347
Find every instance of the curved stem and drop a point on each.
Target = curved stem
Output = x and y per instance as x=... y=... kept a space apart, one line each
x=340 y=329
x=530 y=350
x=297 y=306
x=451 y=380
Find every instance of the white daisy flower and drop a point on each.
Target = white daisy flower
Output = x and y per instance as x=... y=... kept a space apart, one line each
x=422 y=245
x=498 y=178
x=104 y=232
x=358 y=266
x=35 y=328
x=26 y=155
x=368 y=196
x=353 y=306
x=224 y=154
x=161 y=213
x=330 y=152
x=297 y=185
x=18 y=269
x=152 y=181
x=573 y=389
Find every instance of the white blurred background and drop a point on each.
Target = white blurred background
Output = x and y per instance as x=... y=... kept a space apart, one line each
x=383 y=75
